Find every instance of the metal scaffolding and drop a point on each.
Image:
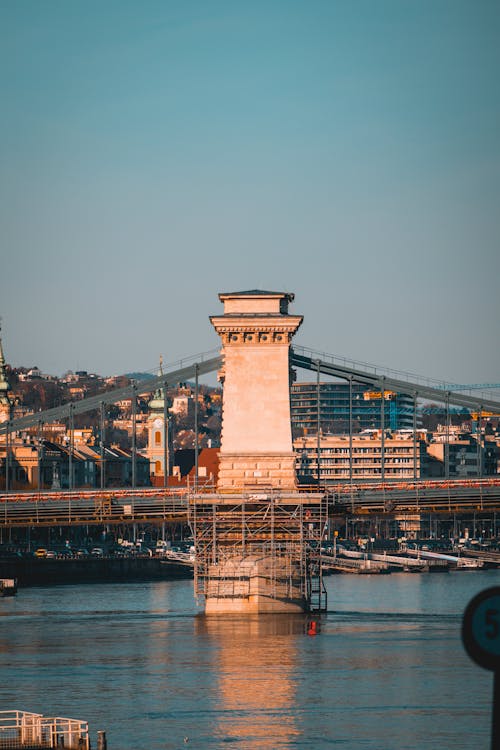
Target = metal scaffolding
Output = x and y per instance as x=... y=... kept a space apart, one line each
x=266 y=542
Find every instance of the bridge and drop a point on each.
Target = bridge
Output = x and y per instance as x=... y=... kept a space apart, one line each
x=167 y=505
x=156 y=506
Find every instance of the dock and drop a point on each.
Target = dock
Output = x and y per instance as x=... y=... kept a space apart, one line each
x=352 y=561
x=23 y=730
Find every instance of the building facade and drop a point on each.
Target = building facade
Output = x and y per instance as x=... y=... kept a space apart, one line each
x=402 y=457
x=466 y=457
x=335 y=411
x=157 y=450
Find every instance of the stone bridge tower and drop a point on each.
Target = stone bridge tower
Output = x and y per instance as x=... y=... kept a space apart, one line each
x=256 y=446
x=257 y=537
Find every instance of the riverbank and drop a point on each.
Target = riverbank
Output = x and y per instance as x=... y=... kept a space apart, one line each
x=31 y=571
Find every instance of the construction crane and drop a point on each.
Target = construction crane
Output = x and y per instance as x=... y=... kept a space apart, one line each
x=483 y=414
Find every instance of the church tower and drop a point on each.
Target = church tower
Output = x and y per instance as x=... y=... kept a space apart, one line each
x=157 y=450
x=5 y=404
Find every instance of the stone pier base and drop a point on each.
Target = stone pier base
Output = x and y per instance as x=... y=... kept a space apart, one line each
x=244 y=584
x=239 y=472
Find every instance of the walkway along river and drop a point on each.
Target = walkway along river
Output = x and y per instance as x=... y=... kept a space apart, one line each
x=386 y=669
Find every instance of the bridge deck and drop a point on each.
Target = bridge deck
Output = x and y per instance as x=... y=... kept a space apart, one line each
x=153 y=505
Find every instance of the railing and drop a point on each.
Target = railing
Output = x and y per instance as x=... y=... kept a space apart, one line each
x=189 y=360
x=159 y=505
x=91 y=508
x=454 y=495
x=82 y=494
x=23 y=730
x=411 y=485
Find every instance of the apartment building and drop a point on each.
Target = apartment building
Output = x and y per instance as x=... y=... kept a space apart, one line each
x=466 y=458
x=403 y=458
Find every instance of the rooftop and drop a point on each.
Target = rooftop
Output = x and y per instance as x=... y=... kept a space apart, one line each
x=257 y=293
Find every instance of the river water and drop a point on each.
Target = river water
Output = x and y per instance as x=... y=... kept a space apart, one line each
x=387 y=670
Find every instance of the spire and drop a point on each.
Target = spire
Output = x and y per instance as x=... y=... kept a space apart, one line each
x=4 y=383
x=156 y=403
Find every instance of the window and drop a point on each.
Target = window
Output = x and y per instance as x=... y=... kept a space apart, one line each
x=157 y=437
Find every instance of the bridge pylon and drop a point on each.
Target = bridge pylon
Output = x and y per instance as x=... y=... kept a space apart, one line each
x=257 y=538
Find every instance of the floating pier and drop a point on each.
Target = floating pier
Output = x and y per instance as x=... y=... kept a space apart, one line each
x=23 y=730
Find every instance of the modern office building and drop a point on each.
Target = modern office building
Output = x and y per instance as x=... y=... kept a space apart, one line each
x=335 y=412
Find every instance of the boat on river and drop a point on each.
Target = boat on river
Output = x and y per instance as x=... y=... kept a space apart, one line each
x=8 y=586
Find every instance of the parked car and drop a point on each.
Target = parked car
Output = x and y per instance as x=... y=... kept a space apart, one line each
x=82 y=552
x=41 y=552
x=118 y=551
x=97 y=552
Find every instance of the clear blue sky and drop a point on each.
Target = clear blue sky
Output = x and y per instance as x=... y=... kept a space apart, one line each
x=155 y=153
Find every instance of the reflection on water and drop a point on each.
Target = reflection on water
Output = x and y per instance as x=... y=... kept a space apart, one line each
x=255 y=660
x=387 y=669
